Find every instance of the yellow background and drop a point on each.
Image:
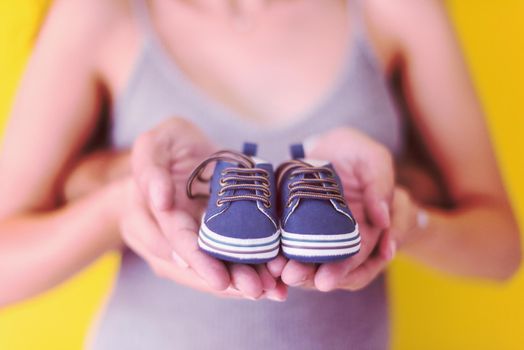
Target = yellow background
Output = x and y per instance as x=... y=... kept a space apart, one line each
x=429 y=310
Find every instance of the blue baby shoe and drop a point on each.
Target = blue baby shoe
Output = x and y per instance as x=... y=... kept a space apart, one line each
x=316 y=223
x=240 y=223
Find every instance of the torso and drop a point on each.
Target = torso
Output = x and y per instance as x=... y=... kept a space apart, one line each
x=346 y=89
x=285 y=61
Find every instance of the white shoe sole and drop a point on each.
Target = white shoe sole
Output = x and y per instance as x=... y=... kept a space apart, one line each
x=320 y=248
x=250 y=250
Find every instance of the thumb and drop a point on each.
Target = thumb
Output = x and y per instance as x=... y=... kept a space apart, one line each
x=377 y=193
x=160 y=189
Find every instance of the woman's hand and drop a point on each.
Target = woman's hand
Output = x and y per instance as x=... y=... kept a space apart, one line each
x=367 y=173
x=404 y=228
x=162 y=223
x=141 y=232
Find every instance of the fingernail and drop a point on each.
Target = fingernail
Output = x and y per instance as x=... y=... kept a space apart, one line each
x=179 y=261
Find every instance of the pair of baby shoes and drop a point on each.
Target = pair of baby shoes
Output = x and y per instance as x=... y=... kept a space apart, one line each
x=253 y=211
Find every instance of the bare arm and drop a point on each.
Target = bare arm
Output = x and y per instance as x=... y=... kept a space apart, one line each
x=40 y=250
x=478 y=236
x=42 y=241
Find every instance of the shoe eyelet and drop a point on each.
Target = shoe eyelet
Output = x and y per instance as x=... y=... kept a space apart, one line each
x=222 y=182
x=219 y=203
x=267 y=205
x=221 y=192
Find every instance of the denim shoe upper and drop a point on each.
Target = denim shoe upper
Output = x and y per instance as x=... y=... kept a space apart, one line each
x=242 y=201
x=312 y=199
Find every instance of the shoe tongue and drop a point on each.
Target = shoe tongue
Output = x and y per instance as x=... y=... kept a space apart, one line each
x=297 y=151
x=315 y=163
x=250 y=149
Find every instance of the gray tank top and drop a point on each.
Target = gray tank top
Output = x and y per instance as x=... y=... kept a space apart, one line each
x=146 y=312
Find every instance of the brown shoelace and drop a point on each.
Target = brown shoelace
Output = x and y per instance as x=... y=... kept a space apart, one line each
x=255 y=181
x=312 y=187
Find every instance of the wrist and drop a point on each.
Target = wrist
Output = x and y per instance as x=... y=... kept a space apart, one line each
x=114 y=196
x=117 y=196
x=410 y=219
x=420 y=228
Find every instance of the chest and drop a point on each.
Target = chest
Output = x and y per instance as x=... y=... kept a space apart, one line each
x=269 y=67
x=283 y=79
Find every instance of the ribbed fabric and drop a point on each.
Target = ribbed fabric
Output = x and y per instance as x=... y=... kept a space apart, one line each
x=145 y=312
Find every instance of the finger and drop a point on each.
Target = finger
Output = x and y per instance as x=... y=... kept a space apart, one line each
x=160 y=188
x=279 y=293
x=268 y=281
x=246 y=280
x=159 y=263
x=369 y=270
x=165 y=269
x=230 y=292
x=296 y=273
x=186 y=277
x=138 y=225
x=151 y=162
x=329 y=275
x=180 y=230
x=376 y=208
x=377 y=185
x=276 y=266
x=143 y=235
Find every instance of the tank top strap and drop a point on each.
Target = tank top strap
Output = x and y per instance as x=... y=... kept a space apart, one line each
x=142 y=14
x=356 y=16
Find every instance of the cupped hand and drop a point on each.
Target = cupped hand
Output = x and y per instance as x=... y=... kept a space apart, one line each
x=161 y=224
x=367 y=173
x=403 y=230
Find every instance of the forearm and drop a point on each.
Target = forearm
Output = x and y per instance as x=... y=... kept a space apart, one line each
x=479 y=240
x=40 y=250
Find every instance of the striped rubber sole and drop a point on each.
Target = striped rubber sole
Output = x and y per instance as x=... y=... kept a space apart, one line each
x=245 y=251
x=316 y=248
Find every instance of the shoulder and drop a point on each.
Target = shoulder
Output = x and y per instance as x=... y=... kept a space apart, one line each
x=94 y=34
x=81 y=22
x=397 y=27
x=82 y=27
